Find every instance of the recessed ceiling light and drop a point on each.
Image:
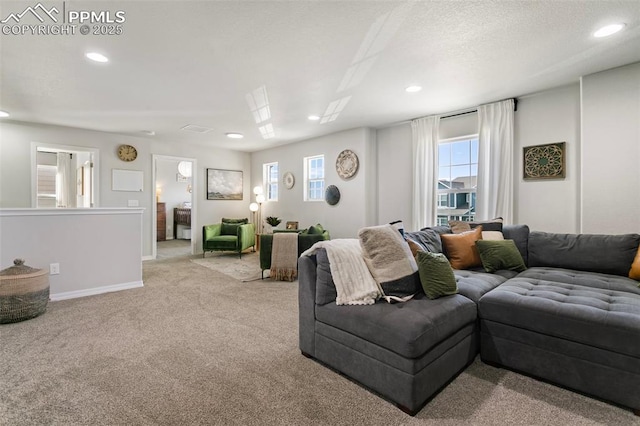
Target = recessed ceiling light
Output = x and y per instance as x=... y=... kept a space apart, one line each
x=4 y=114
x=314 y=117
x=608 y=30
x=235 y=135
x=413 y=89
x=97 y=57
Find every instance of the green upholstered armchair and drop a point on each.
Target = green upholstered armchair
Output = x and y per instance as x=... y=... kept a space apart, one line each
x=229 y=235
x=306 y=238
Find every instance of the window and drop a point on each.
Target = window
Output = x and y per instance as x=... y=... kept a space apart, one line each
x=46 y=189
x=270 y=178
x=457 y=179
x=314 y=178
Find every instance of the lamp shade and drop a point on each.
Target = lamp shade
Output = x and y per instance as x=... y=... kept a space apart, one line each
x=260 y=198
x=257 y=190
x=254 y=207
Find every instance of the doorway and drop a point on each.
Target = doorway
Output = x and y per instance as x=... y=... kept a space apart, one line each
x=174 y=213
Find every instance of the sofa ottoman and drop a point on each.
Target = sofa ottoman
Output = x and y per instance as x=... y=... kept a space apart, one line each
x=575 y=328
x=405 y=352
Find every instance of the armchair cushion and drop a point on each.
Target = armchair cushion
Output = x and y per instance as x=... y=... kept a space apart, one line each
x=229 y=228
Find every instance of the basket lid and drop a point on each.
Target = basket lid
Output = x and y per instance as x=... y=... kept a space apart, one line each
x=19 y=268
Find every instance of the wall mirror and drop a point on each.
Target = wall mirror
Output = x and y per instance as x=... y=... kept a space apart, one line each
x=64 y=176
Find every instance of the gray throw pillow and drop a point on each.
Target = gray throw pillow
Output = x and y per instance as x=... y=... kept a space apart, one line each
x=436 y=275
x=428 y=239
x=500 y=254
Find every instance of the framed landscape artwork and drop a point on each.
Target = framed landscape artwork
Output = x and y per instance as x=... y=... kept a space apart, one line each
x=224 y=184
x=544 y=161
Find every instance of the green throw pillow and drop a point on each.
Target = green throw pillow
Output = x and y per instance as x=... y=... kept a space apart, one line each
x=315 y=229
x=500 y=254
x=229 y=228
x=436 y=275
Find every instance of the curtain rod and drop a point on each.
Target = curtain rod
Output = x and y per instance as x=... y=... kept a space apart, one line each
x=461 y=112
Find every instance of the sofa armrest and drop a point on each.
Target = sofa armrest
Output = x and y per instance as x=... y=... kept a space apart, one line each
x=246 y=236
x=266 y=243
x=305 y=241
x=307 y=304
x=209 y=231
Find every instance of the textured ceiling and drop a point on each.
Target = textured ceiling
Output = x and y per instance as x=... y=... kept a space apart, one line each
x=219 y=64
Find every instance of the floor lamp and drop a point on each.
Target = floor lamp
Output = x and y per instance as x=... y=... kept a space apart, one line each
x=258 y=211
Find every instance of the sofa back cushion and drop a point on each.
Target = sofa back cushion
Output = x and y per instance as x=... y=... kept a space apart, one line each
x=520 y=236
x=607 y=254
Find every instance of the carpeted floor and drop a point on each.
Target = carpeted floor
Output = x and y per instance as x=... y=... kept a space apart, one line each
x=244 y=269
x=194 y=346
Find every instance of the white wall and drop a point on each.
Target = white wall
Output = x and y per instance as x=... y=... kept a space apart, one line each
x=352 y=212
x=15 y=169
x=611 y=151
x=599 y=120
x=98 y=250
x=548 y=117
x=395 y=171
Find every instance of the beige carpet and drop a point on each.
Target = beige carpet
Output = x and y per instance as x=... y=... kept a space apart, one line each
x=243 y=269
x=195 y=347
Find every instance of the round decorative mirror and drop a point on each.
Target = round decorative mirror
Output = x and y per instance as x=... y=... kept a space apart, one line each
x=184 y=168
x=332 y=195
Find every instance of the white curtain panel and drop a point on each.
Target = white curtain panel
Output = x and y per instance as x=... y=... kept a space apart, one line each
x=63 y=180
x=495 y=161
x=425 y=171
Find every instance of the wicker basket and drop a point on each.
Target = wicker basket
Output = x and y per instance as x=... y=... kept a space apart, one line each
x=24 y=292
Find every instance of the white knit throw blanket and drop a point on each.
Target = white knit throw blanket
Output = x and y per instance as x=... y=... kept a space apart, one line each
x=351 y=276
x=284 y=256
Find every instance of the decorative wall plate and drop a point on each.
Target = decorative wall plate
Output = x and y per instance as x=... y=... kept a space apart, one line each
x=347 y=164
x=288 y=180
x=544 y=161
x=332 y=195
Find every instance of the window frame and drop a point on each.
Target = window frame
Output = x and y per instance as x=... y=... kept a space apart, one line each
x=309 y=180
x=442 y=219
x=269 y=183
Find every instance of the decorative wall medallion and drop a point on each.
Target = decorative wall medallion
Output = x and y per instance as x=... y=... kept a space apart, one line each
x=544 y=161
x=347 y=164
x=332 y=195
x=288 y=180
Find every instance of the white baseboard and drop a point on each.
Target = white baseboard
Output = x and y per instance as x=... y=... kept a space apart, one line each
x=93 y=291
x=147 y=258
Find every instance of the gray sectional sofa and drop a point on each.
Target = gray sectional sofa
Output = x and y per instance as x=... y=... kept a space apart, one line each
x=572 y=318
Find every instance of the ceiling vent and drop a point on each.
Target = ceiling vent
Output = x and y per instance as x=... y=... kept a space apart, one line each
x=196 y=129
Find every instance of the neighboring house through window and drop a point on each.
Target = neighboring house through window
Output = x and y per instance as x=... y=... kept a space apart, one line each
x=314 y=178
x=270 y=179
x=457 y=179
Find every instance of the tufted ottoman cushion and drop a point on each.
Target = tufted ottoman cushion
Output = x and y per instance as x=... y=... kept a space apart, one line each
x=409 y=329
x=598 y=310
